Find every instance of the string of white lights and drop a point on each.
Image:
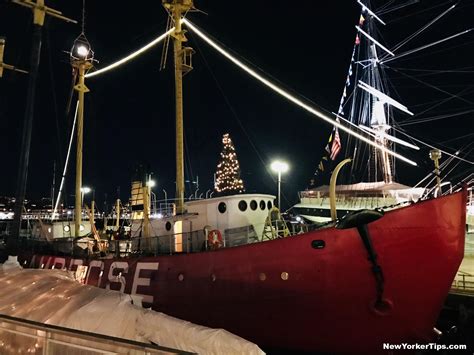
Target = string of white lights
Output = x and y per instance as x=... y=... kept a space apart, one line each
x=55 y=210
x=290 y=97
x=132 y=55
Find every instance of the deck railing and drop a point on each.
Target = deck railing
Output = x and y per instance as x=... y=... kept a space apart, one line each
x=463 y=282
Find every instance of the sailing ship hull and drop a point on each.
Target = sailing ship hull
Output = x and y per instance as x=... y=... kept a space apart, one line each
x=288 y=293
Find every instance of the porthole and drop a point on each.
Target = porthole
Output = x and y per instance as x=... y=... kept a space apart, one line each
x=262 y=276
x=168 y=226
x=243 y=205
x=253 y=205
x=67 y=228
x=269 y=205
x=222 y=207
x=284 y=276
x=180 y=277
x=262 y=205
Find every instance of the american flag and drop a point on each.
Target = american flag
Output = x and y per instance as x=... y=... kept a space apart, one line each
x=336 y=145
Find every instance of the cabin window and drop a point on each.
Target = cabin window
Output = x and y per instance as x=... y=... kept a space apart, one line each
x=269 y=205
x=243 y=205
x=222 y=207
x=262 y=205
x=168 y=226
x=253 y=205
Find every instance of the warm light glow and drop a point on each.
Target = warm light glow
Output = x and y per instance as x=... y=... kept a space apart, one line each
x=290 y=97
x=279 y=166
x=151 y=183
x=82 y=51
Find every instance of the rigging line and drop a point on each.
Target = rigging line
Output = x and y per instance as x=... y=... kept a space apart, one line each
x=433 y=178
x=425 y=73
x=255 y=66
x=447 y=173
x=434 y=118
x=384 y=9
x=439 y=71
x=401 y=129
x=442 y=165
x=232 y=110
x=439 y=103
x=466 y=156
x=53 y=91
x=435 y=87
x=132 y=55
x=63 y=178
x=420 y=12
x=456 y=138
x=83 y=16
x=434 y=73
x=290 y=97
x=441 y=50
x=433 y=147
x=404 y=54
x=429 y=24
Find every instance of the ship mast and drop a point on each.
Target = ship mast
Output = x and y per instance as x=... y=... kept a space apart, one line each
x=377 y=118
x=182 y=65
x=39 y=13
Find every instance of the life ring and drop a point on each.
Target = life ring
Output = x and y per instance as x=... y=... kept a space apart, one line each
x=214 y=239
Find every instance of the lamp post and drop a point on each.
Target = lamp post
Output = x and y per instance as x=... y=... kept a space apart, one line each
x=279 y=167
x=84 y=190
x=152 y=183
x=81 y=57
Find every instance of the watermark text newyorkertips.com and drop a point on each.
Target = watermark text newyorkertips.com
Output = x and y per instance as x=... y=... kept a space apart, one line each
x=429 y=346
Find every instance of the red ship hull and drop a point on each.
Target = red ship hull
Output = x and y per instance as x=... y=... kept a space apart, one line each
x=285 y=293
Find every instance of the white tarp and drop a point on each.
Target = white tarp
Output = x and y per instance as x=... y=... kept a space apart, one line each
x=54 y=297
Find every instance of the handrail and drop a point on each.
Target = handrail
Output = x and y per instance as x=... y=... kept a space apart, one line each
x=107 y=341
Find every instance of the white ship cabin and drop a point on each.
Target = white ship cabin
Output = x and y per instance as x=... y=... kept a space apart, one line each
x=50 y=230
x=238 y=219
x=230 y=212
x=314 y=204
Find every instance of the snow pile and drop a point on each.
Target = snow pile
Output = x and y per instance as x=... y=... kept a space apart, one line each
x=54 y=297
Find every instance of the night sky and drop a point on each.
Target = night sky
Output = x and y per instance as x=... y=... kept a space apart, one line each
x=306 y=46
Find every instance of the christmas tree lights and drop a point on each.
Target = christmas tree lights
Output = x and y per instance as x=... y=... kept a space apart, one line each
x=228 y=179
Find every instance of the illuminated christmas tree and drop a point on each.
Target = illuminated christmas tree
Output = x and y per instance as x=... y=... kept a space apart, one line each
x=228 y=179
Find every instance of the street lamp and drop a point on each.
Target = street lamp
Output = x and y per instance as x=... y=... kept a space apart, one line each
x=279 y=167
x=81 y=57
